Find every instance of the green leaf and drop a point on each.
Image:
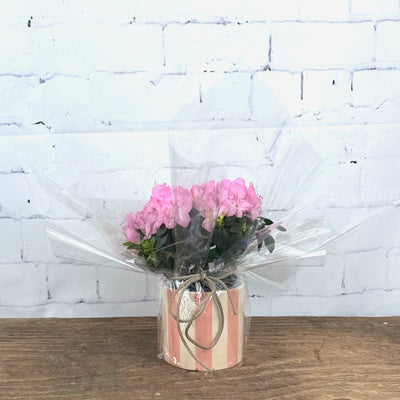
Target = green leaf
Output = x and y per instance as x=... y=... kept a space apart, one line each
x=161 y=237
x=147 y=246
x=162 y=230
x=236 y=228
x=132 y=245
x=281 y=228
x=267 y=221
x=269 y=242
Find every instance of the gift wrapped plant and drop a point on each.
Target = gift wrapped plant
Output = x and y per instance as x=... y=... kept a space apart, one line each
x=205 y=231
x=194 y=237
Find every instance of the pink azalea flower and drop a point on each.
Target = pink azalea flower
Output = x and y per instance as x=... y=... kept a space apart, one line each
x=255 y=208
x=171 y=206
x=176 y=209
x=166 y=206
x=206 y=201
x=129 y=230
x=237 y=200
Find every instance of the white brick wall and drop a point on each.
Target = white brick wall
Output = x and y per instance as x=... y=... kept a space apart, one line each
x=198 y=47
x=374 y=9
x=315 y=10
x=388 y=50
x=393 y=258
x=364 y=271
x=329 y=70
x=297 y=46
x=332 y=88
x=11 y=240
x=23 y=285
x=275 y=96
x=72 y=283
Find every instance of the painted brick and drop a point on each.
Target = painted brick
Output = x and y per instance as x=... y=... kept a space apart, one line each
x=15 y=102
x=72 y=283
x=176 y=10
x=393 y=259
x=40 y=14
x=106 y=48
x=121 y=286
x=54 y=50
x=378 y=179
x=11 y=241
x=314 y=10
x=388 y=49
x=373 y=88
x=389 y=147
x=374 y=8
x=260 y=306
x=335 y=147
x=133 y=187
x=128 y=99
x=99 y=11
x=341 y=45
x=251 y=154
x=339 y=185
x=22 y=284
x=152 y=287
x=84 y=310
x=365 y=142
x=313 y=305
x=358 y=223
x=36 y=244
x=373 y=303
x=326 y=88
x=216 y=90
x=8 y=127
x=133 y=309
x=270 y=281
x=276 y=97
x=75 y=68
x=38 y=248
x=221 y=11
x=8 y=160
x=260 y=10
x=196 y=47
x=14 y=195
x=28 y=53
x=364 y=271
x=322 y=281
x=147 y=151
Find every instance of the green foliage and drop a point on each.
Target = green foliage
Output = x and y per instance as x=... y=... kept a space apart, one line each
x=194 y=246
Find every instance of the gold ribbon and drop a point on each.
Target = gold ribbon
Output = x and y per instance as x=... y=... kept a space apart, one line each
x=211 y=283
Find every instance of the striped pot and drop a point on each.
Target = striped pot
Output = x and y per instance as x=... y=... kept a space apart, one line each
x=227 y=352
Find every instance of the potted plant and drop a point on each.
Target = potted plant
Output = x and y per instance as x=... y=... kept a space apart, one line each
x=195 y=237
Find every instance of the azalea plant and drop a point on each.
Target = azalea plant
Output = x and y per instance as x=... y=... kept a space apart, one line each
x=201 y=229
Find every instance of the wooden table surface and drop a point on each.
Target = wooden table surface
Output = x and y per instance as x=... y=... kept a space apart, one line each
x=115 y=358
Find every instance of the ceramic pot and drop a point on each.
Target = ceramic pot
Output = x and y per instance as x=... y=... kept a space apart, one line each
x=227 y=351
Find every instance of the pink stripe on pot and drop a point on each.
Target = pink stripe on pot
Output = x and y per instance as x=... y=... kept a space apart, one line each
x=173 y=335
x=204 y=333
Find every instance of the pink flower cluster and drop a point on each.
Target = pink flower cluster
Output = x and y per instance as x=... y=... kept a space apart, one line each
x=171 y=206
x=168 y=206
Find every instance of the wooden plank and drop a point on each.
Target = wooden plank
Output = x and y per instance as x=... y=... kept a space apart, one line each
x=293 y=358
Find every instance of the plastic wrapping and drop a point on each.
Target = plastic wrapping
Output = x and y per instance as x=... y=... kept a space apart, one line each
x=206 y=230
x=233 y=202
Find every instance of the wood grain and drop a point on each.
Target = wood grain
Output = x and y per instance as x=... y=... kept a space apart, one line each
x=293 y=358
